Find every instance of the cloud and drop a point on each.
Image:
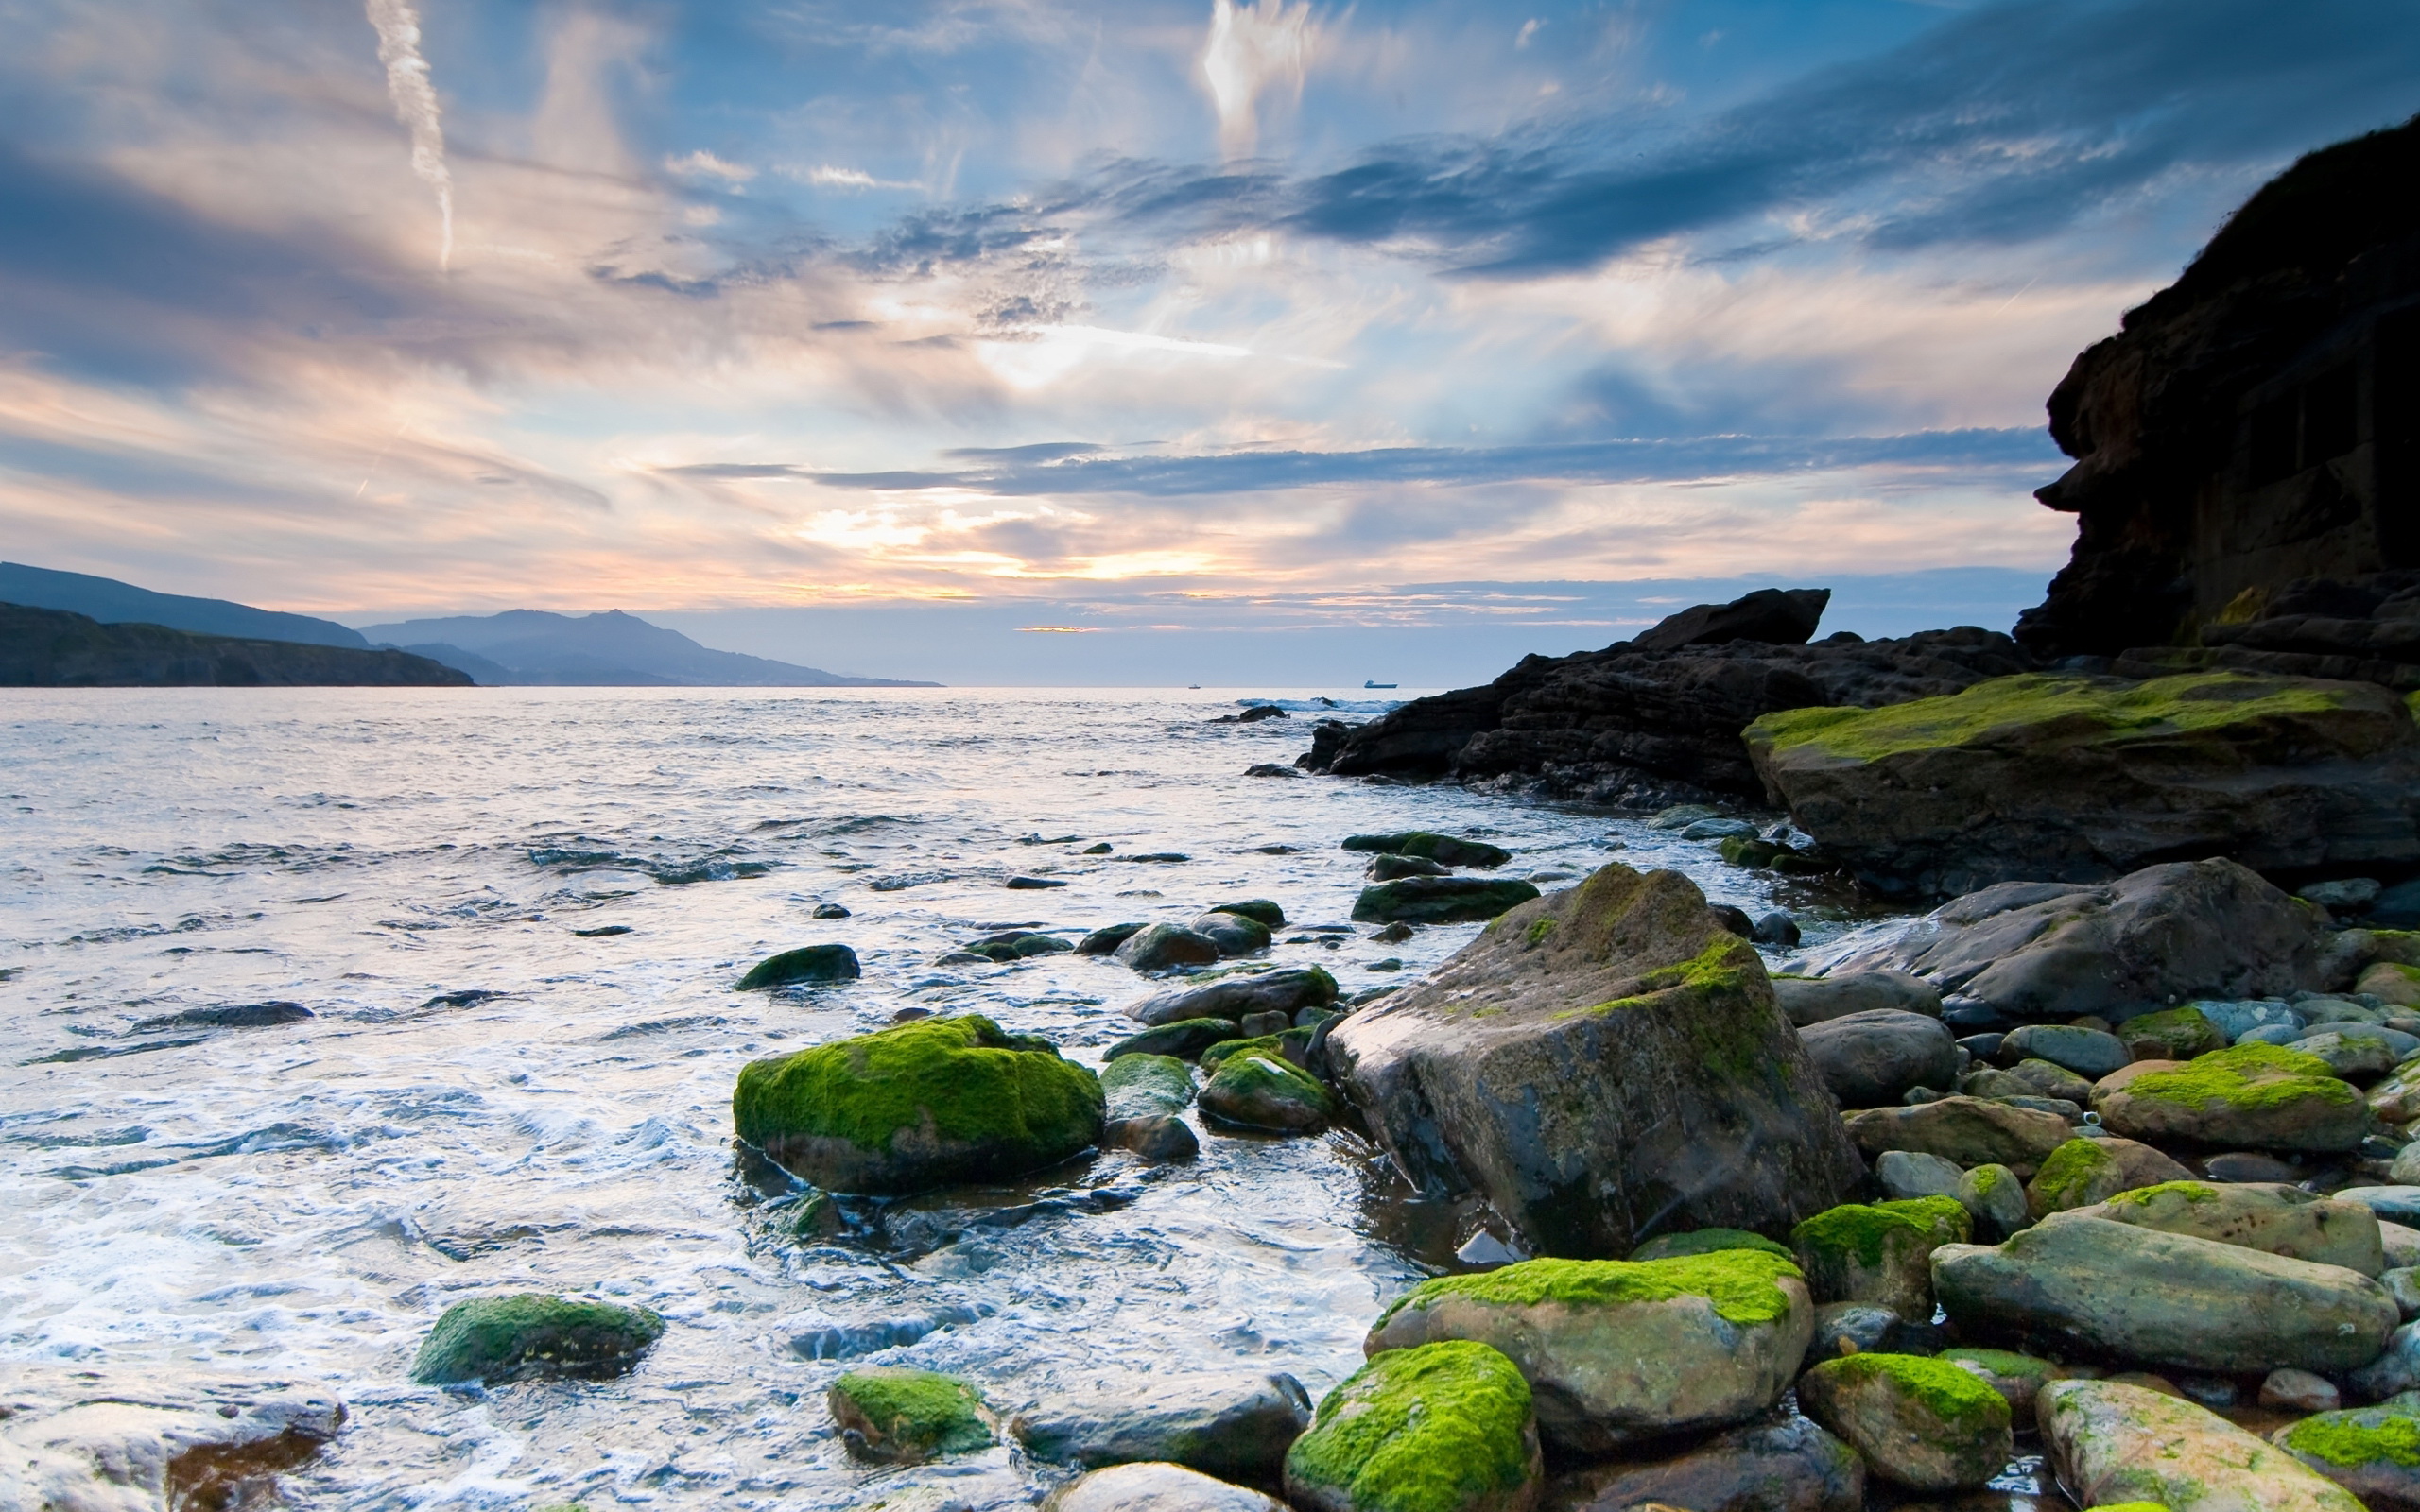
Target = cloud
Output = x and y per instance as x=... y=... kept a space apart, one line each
x=398 y=28
x=1261 y=47
x=704 y=164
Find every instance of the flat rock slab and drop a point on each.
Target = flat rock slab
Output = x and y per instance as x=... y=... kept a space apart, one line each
x=1236 y=1427
x=1966 y=1131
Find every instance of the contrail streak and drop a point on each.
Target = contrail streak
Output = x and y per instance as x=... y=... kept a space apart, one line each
x=398 y=28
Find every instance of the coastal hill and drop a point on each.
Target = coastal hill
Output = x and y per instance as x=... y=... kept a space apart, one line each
x=53 y=649
x=533 y=647
x=112 y=602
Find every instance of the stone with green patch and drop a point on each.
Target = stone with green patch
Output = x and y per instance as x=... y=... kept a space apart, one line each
x=2250 y=1096
x=499 y=1339
x=1260 y=910
x=1620 y=1353
x=1442 y=1428
x=2271 y=1217
x=1918 y=1422
x=1995 y=1199
x=919 y=1106
x=1264 y=1091
x=1880 y=1253
x=1440 y=899
x=1966 y=1131
x=1707 y=1242
x=1447 y=850
x=898 y=1417
x=2111 y=1443
x=1146 y=1086
x=2076 y=1175
x=2372 y=1452
x=2018 y=1378
x=1292 y=1045
x=1185 y=1040
x=2171 y=1034
x=807 y=964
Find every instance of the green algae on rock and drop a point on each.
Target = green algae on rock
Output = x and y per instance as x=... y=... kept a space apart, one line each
x=2271 y=1217
x=497 y=1339
x=1880 y=1253
x=1146 y=1086
x=2372 y=1452
x=1919 y=1422
x=809 y=963
x=1265 y=1091
x=2171 y=1034
x=2115 y=1443
x=899 y=1417
x=2076 y=1175
x=919 y=1106
x=1620 y=1351
x=1440 y=899
x=2252 y=1095
x=1444 y=1428
x=2019 y=1378
x=1707 y=1242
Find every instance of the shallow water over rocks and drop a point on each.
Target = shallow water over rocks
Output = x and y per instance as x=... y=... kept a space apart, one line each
x=449 y=1079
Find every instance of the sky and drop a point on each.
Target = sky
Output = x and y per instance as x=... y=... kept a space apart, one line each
x=949 y=339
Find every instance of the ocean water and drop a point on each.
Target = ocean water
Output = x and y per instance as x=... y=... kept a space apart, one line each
x=489 y=1095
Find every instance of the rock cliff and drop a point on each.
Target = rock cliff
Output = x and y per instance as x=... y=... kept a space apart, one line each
x=52 y=648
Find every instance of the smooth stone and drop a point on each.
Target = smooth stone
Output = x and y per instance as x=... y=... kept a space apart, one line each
x=1969 y=1131
x=2402 y=1245
x=2397 y=1100
x=1440 y=899
x=2249 y=1165
x=894 y=1416
x=1264 y=1092
x=1851 y=1327
x=1620 y=1352
x=1451 y=850
x=1155 y=1488
x=2391 y=982
x=2089 y=1053
x=1995 y=1199
x=2112 y=1443
x=1271 y=1021
x=2173 y=1034
x=1908 y=1174
x=1261 y=911
x=809 y=963
x=1922 y=1423
x=1454 y=1418
x=2350 y=1054
x=2089 y=1170
x=2275 y=1219
x=1880 y=1253
x=1718 y=829
x=2236 y=1018
x=1184 y=1039
x=2253 y=1095
x=2396 y=1369
x=2018 y=1378
x=1105 y=940
x=2048 y=1080
x=1386 y=867
x=1789 y=1466
x=1868 y=1059
x=1776 y=927
x=1234 y=934
x=1159 y=1137
x=2299 y=1391
x=1814 y=998
x=2372 y=1452
x=494 y=1340
x=1238 y=1427
x=1146 y=1086
x=2089 y=1285
x=1025 y=884
x=829 y=911
x=1283 y=989
x=2393 y=1204
x=1157 y=947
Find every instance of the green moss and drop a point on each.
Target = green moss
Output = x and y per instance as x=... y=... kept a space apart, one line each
x=1139 y=1086
x=1271 y=1076
x=1268 y=1044
x=1539 y=929
x=2251 y=1076
x=496 y=1339
x=2067 y=1174
x=1708 y=1242
x=1426 y=1430
x=2004 y=1363
x=2190 y=1191
x=2364 y=1437
x=918 y=1411
x=1959 y=1398
x=2107 y=713
x=2183 y=1032
x=1988 y=1178
x=1864 y=1229
x=1720 y=969
x=1738 y=1282
x=976 y=1084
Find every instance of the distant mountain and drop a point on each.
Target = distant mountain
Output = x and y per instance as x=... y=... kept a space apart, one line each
x=53 y=649
x=112 y=602
x=612 y=649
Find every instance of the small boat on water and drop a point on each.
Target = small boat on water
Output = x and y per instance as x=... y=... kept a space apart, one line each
x=1369 y=684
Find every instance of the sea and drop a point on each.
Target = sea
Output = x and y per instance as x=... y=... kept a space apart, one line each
x=324 y=1008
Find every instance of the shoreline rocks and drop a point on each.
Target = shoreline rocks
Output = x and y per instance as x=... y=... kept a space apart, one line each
x=896 y=1417
x=2114 y=1443
x=1922 y=1423
x=1441 y=1428
x=495 y=1340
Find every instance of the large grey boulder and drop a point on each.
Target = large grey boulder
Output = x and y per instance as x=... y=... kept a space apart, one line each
x=1285 y=989
x=1602 y=1064
x=2050 y=950
x=1236 y=1427
x=1813 y=999
x=2082 y=779
x=2271 y=1217
x=2113 y=1444
x=1790 y=1465
x=1870 y=1059
x=2113 y=1291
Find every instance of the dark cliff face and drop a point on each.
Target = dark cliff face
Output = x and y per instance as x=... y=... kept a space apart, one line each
x=2255 y=423
x=53 y=649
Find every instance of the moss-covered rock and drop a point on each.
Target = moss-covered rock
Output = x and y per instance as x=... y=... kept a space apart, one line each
x=1186 y=1040
x=2256 y=1096
x=1259 y=910
x=919 y=1106
x=1919 y=1422
x=1158 y=947
x=1707 y=1242
x=1623 y=1351
x=1291 y=1046
x=1263 y=1091
x=1440 y=899
x=906 y=1416
x=2112 y=1443
x=1966 y=1131
x=2391 y=982
x=1880 y=1253
x=2078 y=778
x=1446 y=849
x=2076 y=1175
x=1444 y=1428
x=2372 y=1452
x=1234 y=934
x=809 y=963
x=496 y=1339
x=2271 y=1217
x=2173 y=1034
x=1995 y=1199
x=1146 y=1086
x=2018 y=1378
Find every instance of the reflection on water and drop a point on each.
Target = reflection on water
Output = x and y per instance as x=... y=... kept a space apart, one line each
x=318 y=1027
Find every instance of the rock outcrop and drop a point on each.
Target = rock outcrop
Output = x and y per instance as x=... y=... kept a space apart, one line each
x=53 y=649
x=2254 y=423
x=1604 y=1064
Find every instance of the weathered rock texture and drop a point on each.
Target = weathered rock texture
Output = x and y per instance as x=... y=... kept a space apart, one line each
x=1605 y=1064
x=83 y=1441
x=2254 y=423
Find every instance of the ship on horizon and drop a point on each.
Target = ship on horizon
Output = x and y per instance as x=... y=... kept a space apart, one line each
x=1367 y=683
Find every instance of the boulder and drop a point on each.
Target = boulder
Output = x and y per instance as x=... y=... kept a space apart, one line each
x=2091 y=1054
x=2171 y=1034
x=1442 y=1428
x=2085 y=1171
x=1597 y=1063
x=895 y=1417
x=1447 y=850
x=2372 y=1452
x=1157 y=947
x=2359 y=1053
x=809 y=963
x=1234 y=934
x=1707 y=1242
x=1146 y=1086
x=1184 y=1039
x=2111 y=1443
x=1869 y=1058
x=492 y=1340
x=1105 y=940
x=1995 y=1199
x=1814 y=998
x=1266 y=1091
x=1922 y=1423
x=923 y=1105
x=85 y=1440
x=2069 y=777
x=1440 y=899
x=1880 y=1253
x=2041 y=949
x=1967 y=1131
x=2394 y=1204
x=1386 y=867
x=1284 y=990
x=1789 y=1465
x=1776 y=616
x=1261 y=911
x=2274 y=1218
x=1904 y=1175
x=1157 y=1137
x=1153 y=1488
x=2254 y=1096
x=1238 y=1427
x=2048 y=1080
x=2018 y=1378
x=1618 y=1352
x=2117 y=1291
